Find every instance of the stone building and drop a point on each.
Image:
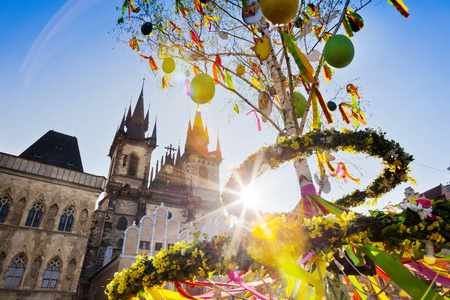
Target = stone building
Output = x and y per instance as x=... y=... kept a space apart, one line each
x=179 y=195
x=46 y=208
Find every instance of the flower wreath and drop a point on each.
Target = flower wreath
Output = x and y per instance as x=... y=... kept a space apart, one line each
x=401 y=235
x=367 y=141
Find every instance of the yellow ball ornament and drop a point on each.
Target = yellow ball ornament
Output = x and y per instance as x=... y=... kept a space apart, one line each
x=202 y=88
x=279 y=12
x=240 y=70
x=262 y=48
x=168 y=65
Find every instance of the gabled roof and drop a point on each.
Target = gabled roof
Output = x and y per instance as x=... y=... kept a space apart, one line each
x=56 y=149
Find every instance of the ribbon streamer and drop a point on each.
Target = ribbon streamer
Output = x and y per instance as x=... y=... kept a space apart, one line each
x=300 y=59
x=233 y=275
x=151 y=61
x=352 y=90
x=358 y=115
x=398 y=4
x=324 y=106
x=398 y=273
x=257 y=119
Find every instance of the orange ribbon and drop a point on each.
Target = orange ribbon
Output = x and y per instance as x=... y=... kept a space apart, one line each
x=151 y=62
x=356 y=113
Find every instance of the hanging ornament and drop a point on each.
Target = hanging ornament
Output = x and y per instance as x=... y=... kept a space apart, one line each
x=313 y=56
x=331 y=105
x=168 y=65
x=251 y=11
x=300 y=104
x=278 y=12
x=146 y=28
x=298 y=22
x=187 y=73
x=240 y=70
x=262 y=48
x=221 y=34
x=265 y=104
x=355 y=20
x=339 y=51
x=202 y=88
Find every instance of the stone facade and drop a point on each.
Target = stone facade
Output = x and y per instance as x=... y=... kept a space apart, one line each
x=44 y=227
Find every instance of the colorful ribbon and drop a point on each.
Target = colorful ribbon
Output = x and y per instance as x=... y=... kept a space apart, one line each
x=257 y=118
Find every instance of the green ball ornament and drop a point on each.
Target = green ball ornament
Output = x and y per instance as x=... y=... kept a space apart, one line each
x=300 y=104
x=202 y=88
x=168 y=65
x=339 y=51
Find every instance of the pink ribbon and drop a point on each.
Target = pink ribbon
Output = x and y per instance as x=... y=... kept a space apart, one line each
x=233 y=275
x=257 y=119
x=422 y=269
x=307 y=190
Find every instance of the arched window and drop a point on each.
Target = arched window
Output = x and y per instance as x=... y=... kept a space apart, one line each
x=15 y=271
x=134 y=162
x=122 y=224
x=66 y=221
x=35 y=214
x=5 y=203
x=51 y=274
x=203 y=172
x=119 y=243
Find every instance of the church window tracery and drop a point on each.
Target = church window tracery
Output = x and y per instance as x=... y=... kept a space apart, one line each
x=51 y=274
x=67 y=218
x=35 y=214
x=15 y=271
x=4 y=207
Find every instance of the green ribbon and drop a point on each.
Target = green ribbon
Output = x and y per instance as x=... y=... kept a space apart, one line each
x=399 y=273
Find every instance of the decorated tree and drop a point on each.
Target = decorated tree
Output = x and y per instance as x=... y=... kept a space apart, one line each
x=274 y=57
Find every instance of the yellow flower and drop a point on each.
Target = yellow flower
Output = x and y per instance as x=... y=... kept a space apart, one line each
x=295 y=145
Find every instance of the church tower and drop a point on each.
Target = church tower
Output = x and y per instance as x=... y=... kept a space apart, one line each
x=201 y=166
x=126 y=188
x=131 y=151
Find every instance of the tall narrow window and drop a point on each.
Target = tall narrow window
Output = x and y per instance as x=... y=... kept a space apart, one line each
x=66 y=221
x=134 y=162
x=51 y=274
x=4 y=207
x=203 y=172
x=15 y=271
x=122 y=224
x=35 y=214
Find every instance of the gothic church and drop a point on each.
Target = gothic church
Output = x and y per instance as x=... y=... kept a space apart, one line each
x=161 y=205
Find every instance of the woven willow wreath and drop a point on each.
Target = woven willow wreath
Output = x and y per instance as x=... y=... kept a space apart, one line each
x=368 y=141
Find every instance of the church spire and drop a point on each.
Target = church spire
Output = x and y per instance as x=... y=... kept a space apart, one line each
x=122 y=123
x=218 y=150
x=197 y=139
x=154 y=130
x=136 y=123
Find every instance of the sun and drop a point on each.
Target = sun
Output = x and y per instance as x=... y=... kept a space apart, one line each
x=250 y=197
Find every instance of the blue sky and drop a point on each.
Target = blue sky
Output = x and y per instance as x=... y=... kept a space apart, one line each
x=62 y=69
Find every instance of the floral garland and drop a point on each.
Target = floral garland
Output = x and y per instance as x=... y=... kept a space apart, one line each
x=318 y=238
x=396 y=233
x=366 y=141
